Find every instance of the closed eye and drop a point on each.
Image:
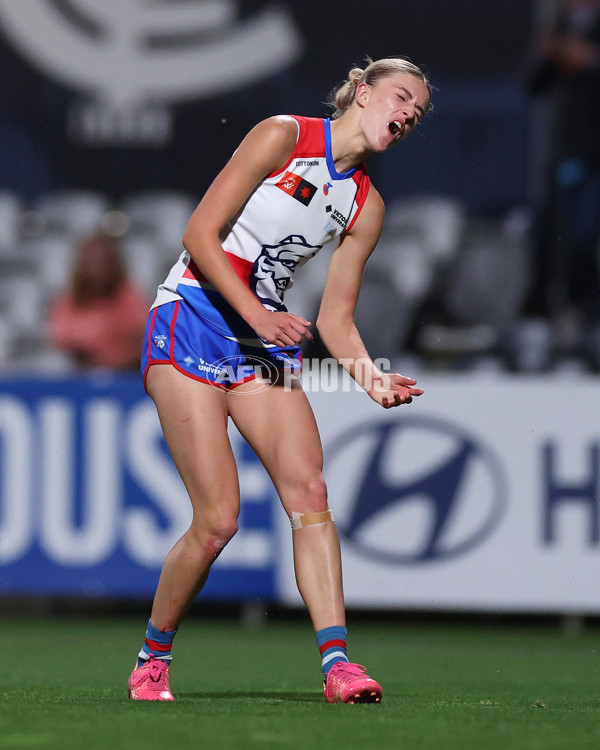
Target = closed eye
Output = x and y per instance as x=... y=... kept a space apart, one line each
x=405 y=95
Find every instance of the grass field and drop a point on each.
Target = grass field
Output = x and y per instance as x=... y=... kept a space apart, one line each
x=448 y=687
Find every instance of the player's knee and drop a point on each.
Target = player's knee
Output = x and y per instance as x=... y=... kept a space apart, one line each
x=217 y=540
x=213 y=536
x=215 y=546
x=310 y=495
x=315 y=495
x=222 y=531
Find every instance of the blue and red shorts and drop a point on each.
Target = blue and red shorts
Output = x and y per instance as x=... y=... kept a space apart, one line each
x=177 y=335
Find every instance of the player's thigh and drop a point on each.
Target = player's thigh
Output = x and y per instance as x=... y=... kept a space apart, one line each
x=280 y=426
x=193 y=416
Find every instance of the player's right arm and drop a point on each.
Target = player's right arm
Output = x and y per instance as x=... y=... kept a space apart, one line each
x=265 y=149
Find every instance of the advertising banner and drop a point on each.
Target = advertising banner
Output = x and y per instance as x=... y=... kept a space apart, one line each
x=482 y=494
x=91 y=503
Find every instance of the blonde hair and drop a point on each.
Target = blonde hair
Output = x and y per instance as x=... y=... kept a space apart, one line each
x=343 y=96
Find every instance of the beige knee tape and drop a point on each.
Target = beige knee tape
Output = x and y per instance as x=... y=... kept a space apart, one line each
x=299 y=520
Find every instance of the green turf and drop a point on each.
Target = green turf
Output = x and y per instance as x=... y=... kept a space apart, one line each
x=446 y=687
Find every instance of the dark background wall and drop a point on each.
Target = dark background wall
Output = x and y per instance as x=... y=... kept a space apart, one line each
x=474 y=145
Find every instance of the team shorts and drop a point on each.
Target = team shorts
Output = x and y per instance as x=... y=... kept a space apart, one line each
x=177 y=335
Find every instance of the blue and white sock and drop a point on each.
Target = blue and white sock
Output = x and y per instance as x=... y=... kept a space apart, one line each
x=156 y=644
x=332 y=645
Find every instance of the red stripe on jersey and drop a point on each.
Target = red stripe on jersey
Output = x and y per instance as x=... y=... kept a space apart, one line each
x=332 y=644
x=311 y=141
x=364 y=183
x=241 y=266
x=193 y=272
x=155 y=646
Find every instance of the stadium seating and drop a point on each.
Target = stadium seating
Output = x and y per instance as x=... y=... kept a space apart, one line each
x=473 y=273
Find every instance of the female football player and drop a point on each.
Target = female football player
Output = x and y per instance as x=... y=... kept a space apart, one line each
x=220 y=343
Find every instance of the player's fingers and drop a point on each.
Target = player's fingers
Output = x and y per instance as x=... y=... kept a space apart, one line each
x=292 y=337
x=301 y=326
x=296 y=334
x=387 y=404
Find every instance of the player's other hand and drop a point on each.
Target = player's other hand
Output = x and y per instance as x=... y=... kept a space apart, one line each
x=283 y=328
x=393 y=389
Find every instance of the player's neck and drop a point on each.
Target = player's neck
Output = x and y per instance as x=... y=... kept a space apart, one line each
x=348 y=147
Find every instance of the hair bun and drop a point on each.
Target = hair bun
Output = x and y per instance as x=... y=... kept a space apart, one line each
x=355 y=75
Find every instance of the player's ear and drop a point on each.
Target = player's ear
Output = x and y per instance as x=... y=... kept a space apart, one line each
x=363 y=92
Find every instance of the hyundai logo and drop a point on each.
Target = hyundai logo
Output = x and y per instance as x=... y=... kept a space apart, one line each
x=414 y=491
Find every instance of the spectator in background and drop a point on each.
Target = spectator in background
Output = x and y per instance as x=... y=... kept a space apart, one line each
x=568 y=71
x=100 y=319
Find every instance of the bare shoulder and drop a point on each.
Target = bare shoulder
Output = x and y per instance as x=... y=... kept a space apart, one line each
x=279 y=131
x=374 y=203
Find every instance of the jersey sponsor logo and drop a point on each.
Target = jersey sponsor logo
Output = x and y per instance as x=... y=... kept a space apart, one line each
x=327 y=187
x=307 y=162
x=339 y=217
x=300 y=189
x=209 y=368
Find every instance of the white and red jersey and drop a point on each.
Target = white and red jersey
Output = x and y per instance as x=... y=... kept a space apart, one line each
x=285 y=222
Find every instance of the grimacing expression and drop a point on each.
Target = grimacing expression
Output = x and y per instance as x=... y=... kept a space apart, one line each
x=392 y=108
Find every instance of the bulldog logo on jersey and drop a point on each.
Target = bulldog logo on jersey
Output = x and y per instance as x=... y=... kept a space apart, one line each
x=300 y=189
x=272 y=272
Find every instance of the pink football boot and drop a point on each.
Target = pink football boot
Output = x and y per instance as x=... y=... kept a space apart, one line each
x=150 y=682
x=348 y=683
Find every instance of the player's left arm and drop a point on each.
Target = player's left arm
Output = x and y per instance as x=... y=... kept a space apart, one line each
x=335 y=322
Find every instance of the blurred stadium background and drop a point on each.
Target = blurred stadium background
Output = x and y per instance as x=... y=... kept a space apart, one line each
x=480 y=498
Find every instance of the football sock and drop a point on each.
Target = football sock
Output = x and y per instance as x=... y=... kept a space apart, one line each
x=156 y=644
x=332 y=645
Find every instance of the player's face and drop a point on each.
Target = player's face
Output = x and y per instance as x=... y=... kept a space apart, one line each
x=392 y=109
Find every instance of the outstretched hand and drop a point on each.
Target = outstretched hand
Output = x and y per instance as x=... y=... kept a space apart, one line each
x=393 y=389
x=283 y=328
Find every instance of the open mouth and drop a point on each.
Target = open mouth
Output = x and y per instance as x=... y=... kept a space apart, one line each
x=395 y=127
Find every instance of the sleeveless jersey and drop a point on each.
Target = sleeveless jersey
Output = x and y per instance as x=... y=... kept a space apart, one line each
x=288 y=218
